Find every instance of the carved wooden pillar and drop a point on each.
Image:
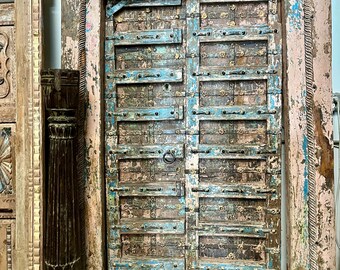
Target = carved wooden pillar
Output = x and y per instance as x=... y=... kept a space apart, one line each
x=62 y=230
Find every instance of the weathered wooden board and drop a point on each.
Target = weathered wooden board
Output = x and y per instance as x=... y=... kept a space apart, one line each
x=29 y=136
x=192 y=134
x=308 y=126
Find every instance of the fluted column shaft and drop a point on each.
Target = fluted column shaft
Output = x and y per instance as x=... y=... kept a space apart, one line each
x=62 y=224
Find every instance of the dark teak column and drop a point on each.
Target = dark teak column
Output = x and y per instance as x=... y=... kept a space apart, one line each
x=62 y=223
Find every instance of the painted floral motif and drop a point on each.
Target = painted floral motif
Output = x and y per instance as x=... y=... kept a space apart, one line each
x=5 y=161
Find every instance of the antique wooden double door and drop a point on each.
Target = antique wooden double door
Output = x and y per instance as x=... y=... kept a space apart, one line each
x=192 y=134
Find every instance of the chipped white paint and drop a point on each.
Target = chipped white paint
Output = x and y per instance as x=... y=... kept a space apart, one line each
x=95 y=184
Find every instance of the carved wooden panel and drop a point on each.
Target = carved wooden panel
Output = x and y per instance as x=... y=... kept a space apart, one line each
x=7 y=159
x=7 y=136
x=193 y=122
x=7 y=244
x=7 y=74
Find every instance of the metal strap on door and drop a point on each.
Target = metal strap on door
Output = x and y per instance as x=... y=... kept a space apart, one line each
x=193 y=122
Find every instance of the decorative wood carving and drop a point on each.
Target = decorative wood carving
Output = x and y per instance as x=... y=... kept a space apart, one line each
x=62 y=233
x=29 y=136
x=7 y=82
x=7 y=229
x=4 y=80
x=6 y=161
x=7 y=136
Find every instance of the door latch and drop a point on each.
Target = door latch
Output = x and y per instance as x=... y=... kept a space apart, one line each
x=169 y=157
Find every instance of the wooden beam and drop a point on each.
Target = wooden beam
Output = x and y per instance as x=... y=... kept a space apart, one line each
x=323 y=118
x=95 y=188
x=83 y=50
x=70 y=22
x=308 y=127
x=29 y=139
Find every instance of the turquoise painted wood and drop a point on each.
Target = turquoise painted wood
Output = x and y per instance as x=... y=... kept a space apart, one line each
x=193 y=126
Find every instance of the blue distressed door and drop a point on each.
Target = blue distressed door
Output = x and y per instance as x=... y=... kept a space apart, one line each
x=192 y=133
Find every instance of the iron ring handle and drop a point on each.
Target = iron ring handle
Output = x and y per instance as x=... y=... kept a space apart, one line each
x=169 y=157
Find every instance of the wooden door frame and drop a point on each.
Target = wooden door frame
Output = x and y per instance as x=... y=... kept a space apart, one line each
x=29 y=145
x=29 y=137
x=308 y=117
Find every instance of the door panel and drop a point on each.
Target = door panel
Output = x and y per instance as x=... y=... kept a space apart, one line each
x=193 y=121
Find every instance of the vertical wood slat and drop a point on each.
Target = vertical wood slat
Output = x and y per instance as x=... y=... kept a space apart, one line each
x=7 y=136
x=323 y=129
x=297 y=151
x=70 y=22
x=73 y=57
x=295 y=128
x=62 y=234
x=192 y=123
x=29 y=137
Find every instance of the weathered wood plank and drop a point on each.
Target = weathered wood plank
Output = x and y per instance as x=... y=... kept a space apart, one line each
x=296 y=144
x=323 y=117
x=139 y=3
x=94 y=188
x=303 y=66
x=29 y=139
x=70 y=22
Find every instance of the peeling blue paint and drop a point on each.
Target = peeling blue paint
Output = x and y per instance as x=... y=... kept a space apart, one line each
x=295 y=16
x=305 y=154
x=145 y=61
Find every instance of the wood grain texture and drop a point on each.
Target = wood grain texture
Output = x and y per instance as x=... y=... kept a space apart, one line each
x=7 y=74
x=29 y=143
x=323 y=115
x=297 y=154
x=95 y=188
x=295 y=127
x=171 y=159
x=62 y=245
x=70 y=20
x=296 y=141
x=91 y=57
